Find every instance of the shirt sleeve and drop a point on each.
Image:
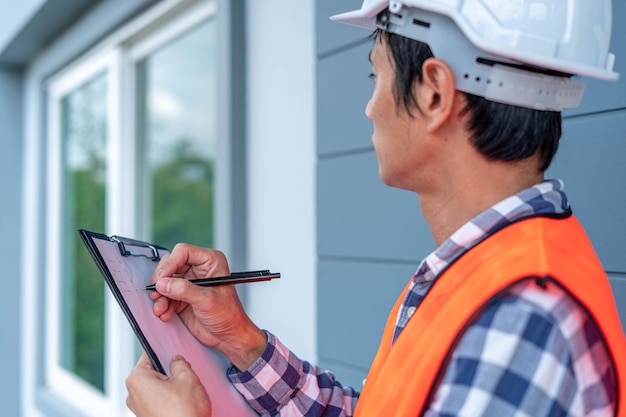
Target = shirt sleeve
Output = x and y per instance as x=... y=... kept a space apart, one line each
x=524 y=359
x=279 y=383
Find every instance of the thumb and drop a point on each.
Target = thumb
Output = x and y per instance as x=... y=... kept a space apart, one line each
x=182 y=372
x=178 y=289
x=189 y=388
x=181 y=369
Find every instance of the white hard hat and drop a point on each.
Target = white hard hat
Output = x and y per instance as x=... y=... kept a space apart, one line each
x=491 y=44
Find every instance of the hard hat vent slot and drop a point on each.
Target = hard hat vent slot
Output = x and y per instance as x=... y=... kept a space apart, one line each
x=479 y=79
x=422 y=23
x=524 y=67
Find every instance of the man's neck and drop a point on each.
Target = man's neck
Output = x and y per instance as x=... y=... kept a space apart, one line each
x=466 y=193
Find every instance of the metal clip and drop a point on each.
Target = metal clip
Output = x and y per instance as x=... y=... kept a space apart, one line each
x=123 y=242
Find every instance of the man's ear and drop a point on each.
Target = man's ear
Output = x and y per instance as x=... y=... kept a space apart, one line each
x=437 y=95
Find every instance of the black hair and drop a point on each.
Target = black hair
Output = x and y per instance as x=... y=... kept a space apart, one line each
x=500 y=132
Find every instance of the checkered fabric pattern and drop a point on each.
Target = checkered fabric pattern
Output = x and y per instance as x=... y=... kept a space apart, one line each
x=531 y=353
x=280 y=384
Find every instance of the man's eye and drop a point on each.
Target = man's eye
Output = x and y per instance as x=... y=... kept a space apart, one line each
x=372 y=76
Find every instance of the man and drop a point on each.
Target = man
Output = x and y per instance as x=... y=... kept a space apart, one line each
x=512 y=313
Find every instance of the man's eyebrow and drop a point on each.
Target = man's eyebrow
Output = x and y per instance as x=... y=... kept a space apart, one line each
x=369 y=56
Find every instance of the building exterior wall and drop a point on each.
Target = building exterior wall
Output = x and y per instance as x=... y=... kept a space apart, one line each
x=11 y=109
x=14 y=16
x=10 y=219
x=281 y=168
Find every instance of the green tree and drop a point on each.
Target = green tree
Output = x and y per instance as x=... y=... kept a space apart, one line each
x=183 y=198
x=86 y=289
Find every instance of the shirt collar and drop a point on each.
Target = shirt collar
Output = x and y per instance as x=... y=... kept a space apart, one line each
x=545 y=198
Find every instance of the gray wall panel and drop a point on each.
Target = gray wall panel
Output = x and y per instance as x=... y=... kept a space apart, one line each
x=592 y=162
x=618 y=283
x=360 y=217
x=10 y=222
x=332 y=35
x=48 y=19
x=348 y=376
x=355 y=299
x=343 y=89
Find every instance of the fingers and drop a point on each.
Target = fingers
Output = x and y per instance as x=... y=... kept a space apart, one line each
x=144 y=366
x=189 y=384
x=151 y=394
x=161 y=306
x=181 y=369
x=180 y=290
x=143 y=370
x=192 y=260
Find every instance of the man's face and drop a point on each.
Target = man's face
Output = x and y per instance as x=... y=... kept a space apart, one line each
x=396 y=135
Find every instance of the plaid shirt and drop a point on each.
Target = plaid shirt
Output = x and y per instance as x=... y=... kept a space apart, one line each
x=530 y=354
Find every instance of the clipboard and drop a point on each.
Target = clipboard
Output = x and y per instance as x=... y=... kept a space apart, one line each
x=127 y=266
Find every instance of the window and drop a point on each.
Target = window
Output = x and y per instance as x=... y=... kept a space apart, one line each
x=131 y=150
x=176 y=131
x=83 y=139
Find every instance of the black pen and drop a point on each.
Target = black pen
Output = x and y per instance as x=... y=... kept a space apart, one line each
x=234 y=278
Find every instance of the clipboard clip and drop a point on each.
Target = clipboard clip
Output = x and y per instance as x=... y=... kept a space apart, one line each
x=124 y=242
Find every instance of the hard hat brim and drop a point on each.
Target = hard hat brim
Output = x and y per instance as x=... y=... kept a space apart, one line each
x=363 y=18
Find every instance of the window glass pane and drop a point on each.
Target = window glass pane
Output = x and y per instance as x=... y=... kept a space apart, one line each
x=177 y=96
x=84 y=132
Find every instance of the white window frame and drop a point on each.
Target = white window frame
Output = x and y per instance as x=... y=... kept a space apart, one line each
x=61 y=382
x=117 y=55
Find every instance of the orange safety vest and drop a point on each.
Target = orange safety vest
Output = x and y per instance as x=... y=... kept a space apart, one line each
x=551 y=250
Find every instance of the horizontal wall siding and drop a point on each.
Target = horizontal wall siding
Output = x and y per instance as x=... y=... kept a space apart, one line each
x=618 y=283
x=358 y=297
x=330 y=35
x=592 y=162
x=362 y=218
x=344 y=88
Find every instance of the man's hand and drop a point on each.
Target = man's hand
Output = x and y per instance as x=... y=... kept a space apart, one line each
x=152 y=394
x=214 y=315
